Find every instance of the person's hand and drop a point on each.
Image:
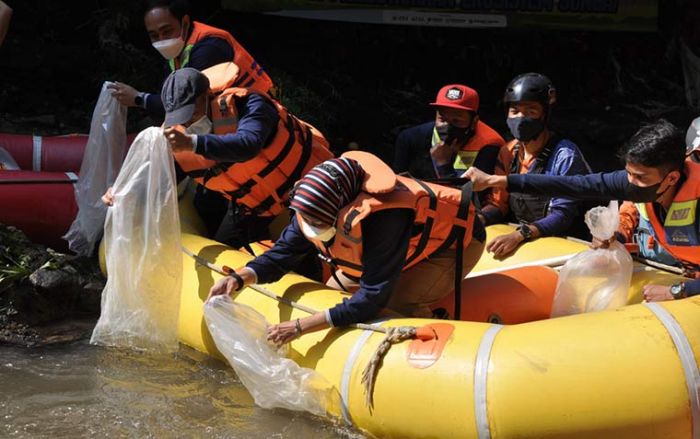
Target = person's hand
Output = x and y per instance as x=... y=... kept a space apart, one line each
x=224 y=286
x=656 y=293
x=502 y=246
x=108 y=197
x=178 y=138
x=481 y=180
x=283 y=333
x=442 y=153
x=597 y=243
x=124 y=93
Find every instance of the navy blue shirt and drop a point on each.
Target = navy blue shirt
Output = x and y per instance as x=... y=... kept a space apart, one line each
x=257 y=124
x=206 y=53
x=608 y=186
x=385 y=238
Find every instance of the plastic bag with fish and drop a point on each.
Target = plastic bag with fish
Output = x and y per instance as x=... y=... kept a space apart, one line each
x=141 y=301
x=595 y=280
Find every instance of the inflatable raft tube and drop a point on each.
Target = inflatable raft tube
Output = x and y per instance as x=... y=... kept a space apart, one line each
x=41 y=204
x=39 y=199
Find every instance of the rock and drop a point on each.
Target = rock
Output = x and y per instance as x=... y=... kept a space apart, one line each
x=49 y=279
x=40 y=289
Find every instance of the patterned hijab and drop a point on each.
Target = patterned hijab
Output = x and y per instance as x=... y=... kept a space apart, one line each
x=327 y=188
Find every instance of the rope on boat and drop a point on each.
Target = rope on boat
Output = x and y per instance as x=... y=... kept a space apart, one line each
x=394 y=334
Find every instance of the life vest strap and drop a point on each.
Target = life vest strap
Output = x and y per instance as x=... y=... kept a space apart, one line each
x=427 y=230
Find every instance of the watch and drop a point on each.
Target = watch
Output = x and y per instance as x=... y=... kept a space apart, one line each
x=525 y=231
x=678 y=291
x=138 y=100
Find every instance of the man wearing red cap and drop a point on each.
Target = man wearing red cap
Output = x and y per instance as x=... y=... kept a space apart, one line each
x=453 y=142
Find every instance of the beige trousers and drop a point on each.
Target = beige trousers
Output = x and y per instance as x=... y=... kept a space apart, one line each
x=425 y=283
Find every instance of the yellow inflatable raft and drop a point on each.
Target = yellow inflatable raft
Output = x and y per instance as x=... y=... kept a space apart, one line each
x=627 y=373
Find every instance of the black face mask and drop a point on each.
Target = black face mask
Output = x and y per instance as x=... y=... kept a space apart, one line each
x=525 y=128
x=640 y=194
x=461 y=135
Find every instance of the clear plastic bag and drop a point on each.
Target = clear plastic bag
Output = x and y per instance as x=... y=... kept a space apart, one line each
x=141 y=301
x=104 y=154
x=7 y=163
x=239 y=332
x=599 y=279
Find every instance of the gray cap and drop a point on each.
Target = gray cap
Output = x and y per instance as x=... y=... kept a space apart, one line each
x=179 y=94
x=692 y=137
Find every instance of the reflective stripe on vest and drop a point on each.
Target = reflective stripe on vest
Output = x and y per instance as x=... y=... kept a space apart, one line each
x=483 y=136
x=251 y=75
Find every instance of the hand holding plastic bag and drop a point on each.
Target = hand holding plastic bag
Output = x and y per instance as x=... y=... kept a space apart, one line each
x=104 y=154
x=141 y=301
x=598 y=279
x=273 y=380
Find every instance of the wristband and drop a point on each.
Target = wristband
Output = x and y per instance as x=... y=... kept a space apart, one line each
x=239 y=279
x=297 y=325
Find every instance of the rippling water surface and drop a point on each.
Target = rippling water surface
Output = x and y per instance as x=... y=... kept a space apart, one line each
x=81 y=390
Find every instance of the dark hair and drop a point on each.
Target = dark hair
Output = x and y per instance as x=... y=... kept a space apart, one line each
x=179 y=8
x=656 y=145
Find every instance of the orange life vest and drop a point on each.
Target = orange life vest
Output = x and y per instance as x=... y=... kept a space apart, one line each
x=260 y=185
x=252 y=75
x=483 y=136
x=679 y=232
x=445 y=215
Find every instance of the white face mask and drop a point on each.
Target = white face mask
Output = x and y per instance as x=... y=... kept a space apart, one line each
x=201 y=127
x=312 y=232
x=171 y=48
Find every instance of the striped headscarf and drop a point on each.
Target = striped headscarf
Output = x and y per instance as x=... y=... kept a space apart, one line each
x=327 y=188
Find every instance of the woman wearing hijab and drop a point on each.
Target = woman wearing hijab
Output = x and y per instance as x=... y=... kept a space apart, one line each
x=394 y=241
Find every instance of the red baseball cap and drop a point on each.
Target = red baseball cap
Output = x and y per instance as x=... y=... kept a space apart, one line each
x=457 y=96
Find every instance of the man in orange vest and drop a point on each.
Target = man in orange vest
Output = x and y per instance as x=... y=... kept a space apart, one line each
x=535 y=149
x=239 y=143
x=362 y=219
x=664 y=185
x=454 y=141
x=187 y=43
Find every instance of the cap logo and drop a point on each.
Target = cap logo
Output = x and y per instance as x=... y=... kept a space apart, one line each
x=454 y=94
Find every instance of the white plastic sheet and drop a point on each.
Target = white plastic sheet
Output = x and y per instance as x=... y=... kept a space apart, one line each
x=599 y=279
x=141 y=301
x=104 y=154
x=273 y=380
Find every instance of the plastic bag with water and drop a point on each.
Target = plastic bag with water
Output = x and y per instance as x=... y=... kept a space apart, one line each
x=239 y=332
x=104 y=154
x=599 y=279
x=141 y=301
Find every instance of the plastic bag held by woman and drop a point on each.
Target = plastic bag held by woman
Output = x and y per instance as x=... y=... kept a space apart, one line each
x=239 y=332
x=104 y=154
x=598 y=279
x=141 y=301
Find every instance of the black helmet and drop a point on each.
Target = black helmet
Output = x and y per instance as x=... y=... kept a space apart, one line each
x=531 y=87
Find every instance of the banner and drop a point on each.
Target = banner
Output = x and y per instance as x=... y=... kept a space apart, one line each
x=608 y=15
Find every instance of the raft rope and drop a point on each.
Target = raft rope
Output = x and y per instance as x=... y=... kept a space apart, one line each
x=395 y=334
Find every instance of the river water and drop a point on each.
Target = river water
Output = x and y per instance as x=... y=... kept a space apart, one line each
x=80 y=390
